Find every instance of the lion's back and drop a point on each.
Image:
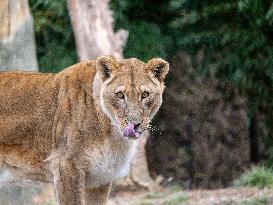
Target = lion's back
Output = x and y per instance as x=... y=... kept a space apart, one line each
x=29 y=101
x=27 y=104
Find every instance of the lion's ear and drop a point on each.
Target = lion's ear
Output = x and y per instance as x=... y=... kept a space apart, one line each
x=158 y=67
x=106 y=66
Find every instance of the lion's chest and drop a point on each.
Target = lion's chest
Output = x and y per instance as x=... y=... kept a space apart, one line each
x=110 y=163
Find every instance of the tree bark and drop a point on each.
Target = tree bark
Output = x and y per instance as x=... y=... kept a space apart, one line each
x=17 y=44
x=93 y=29
x=92 y=24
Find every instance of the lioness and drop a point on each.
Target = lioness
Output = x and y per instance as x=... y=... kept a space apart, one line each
x=78 y=128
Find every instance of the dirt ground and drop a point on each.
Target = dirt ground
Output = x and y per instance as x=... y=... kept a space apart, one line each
x=166 y=196
x=176 y=196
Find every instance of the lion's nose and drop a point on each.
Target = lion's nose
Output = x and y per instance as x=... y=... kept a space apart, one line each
x=137 y=125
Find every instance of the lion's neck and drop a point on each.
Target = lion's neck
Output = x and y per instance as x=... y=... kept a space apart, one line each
x=118 y=150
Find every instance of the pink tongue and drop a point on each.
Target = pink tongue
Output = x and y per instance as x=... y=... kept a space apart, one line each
x=129 y=131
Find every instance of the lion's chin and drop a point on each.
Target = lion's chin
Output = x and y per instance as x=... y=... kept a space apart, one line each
x=134 y=137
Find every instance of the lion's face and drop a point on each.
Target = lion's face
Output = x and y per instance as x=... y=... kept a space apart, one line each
x=131 y=91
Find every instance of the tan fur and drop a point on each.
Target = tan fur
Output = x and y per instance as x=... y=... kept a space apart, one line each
x=66 y=128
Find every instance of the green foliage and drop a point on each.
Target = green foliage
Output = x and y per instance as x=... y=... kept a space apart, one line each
x=236 y=38
x=154 y=195
x=146 y=39
x=178 y=200
x=54 y=35
x=260 y=177
x=255 y=201
x=145 y=203
x=269 y=152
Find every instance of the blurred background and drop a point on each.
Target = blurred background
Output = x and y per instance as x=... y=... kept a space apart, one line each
x=215 y=127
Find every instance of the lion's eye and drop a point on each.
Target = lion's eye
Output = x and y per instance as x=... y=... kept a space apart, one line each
x=145 y=94
x=120 y=95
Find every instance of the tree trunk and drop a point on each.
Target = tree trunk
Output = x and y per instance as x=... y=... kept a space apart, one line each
x=93 y=29
x=92 y=23
x=17 y=44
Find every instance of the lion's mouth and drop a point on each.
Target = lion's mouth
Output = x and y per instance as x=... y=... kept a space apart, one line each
x=131 y=132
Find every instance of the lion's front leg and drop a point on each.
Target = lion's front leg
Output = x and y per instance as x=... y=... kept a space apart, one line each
x=97 y=196
x=69 y=183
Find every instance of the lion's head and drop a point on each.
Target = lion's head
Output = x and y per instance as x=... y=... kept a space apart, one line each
x=131 y=92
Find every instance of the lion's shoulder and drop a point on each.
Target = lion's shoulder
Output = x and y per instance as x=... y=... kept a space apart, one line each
x=83 y=72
